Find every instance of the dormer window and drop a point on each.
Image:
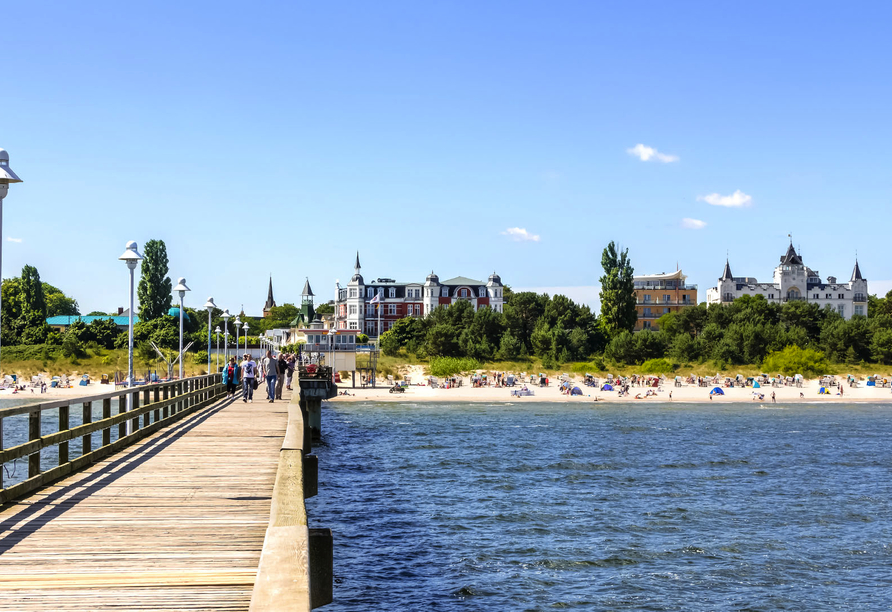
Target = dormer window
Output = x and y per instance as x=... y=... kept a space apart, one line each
x=445 y=291
x=391 y=292
x=481 y=292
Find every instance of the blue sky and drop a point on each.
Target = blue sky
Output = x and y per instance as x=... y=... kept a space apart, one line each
x=279 y=137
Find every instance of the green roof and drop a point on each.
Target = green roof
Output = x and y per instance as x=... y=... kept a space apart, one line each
x=461 y=280
x=68 y=320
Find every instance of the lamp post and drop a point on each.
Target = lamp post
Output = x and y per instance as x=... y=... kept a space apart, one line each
x=210 y=306
x=245 y=327
x=226 y=316
x=217 y=331
x=131 y=257
x=181 y=290
x=7 y=177
x=238 y=330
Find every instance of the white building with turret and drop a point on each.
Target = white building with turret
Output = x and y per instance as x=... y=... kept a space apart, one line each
x=373 y=307
x=794 y=281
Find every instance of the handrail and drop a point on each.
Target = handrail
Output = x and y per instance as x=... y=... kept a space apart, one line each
x=162 y=404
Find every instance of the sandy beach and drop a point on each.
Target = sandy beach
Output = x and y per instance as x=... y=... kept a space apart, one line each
x=686 y=394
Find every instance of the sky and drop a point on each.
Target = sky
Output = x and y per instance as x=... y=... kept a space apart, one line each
x=278 y=138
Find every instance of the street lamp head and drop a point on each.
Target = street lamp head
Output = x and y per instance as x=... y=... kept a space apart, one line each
x=237 y=321
x=210 y=304
x=226 y=316
x=181 y=288
x=7 y=176
x=131 y=256
x=245 y=326
x=217 y=330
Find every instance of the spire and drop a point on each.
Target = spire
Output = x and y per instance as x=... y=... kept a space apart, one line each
x=357 y=267
x=726 y=275
x=270 y=302
x=791 y=257
x=856 y=273
x=307 y=292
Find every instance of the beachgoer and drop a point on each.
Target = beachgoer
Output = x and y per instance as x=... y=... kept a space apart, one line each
x=281 y=371
x=289 y=375
x=270 y=368
x=231 y=377
x=248 y=373
x=773 y=398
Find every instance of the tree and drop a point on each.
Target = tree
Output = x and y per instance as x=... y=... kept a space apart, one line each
x=57 y=303
x=522 y=312
x=154 y=289
x=322 y=309
x=617 y=291
x=32 y=297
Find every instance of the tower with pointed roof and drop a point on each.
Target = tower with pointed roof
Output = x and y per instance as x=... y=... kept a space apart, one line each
x=270 y=302
x=796 y=282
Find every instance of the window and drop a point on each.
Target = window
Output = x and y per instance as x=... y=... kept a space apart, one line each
x=841 y=309
x=391 y=309
x=770 y=296
x=859 y=297
x=481 y=292
x=647 y=299
x=409 y=309
x=352 y=309
x=381 y=291
x=666 y=298
x=645 y=325
x=445 y=292
x=353 y=293
x=370 y=292
x=360 y=309
x=665 y=311
x=828 y=296
x=353 y=325
x=646 y=313
x=842 y=296
x=685 y=299
x=463 y=293
x=391 y=292
x=817 y=296
x=859 y=310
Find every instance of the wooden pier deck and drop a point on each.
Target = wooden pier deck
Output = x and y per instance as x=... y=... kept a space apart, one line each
x=174 y=522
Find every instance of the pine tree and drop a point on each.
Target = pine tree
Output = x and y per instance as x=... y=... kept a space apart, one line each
x=154 y=289
x=617 y=291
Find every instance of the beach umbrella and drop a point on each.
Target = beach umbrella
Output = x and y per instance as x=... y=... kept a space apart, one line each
x=576 y=391
x=607 y=388
x=716 y=391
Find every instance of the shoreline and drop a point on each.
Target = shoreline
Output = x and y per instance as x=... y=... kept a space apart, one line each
x=684 y=394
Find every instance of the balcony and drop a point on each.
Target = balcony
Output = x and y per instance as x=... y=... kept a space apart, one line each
x=664 y=287
x=795 y=299
x=860 y=297
x=641 y=302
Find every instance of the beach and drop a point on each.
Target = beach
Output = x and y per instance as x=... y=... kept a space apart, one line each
x=809 y=392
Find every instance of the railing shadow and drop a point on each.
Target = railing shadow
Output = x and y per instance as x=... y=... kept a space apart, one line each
x=125 y=462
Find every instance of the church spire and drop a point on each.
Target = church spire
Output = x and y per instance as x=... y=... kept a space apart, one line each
x=856 y=273
x=726 y=274
x=270 y=302
x=357 y=267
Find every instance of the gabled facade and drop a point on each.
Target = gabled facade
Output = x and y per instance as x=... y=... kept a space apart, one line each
x=794 y=281
x=373 y=307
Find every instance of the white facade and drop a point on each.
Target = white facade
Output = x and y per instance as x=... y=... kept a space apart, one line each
x=794 y=281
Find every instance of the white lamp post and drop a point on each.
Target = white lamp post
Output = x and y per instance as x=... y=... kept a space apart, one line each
x=226 y=316
x=217 y=331
x=245 y=327
x=238 y=331
x=181 y=290
x=7 y=177
x=131 y=257
x=210 y=306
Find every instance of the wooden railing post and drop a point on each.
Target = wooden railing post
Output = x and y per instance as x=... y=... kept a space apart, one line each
x=34 y=434
x=1 y=448
x=87 y=440
x=122 y=408
x=63 y=425
x=106 y=414
x=157 y=395
x=166 y=410
x=134 y=405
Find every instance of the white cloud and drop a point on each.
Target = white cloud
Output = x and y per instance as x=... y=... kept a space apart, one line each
x=10 y=239
x=737 y=199
x=645 y=153
x=520 y=234
x=693 y=223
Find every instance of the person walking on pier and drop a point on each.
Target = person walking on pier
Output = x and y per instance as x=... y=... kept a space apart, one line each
x=231 y=377
x=249 y=372
x=270 y=371
x=281 y=371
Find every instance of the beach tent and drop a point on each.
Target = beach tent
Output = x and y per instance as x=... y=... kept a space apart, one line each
x=756 y=385
x=716 y=391
x=607 y=388
x=823 y=391
x=576 y=391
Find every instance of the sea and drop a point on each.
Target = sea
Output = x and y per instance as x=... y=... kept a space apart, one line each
x=538 y=506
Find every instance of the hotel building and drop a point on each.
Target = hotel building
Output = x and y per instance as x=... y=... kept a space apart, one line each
x=794 y=281
x=659 y=294
x=355 y=310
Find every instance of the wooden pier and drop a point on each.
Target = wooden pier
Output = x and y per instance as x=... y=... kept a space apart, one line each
x=176 y=521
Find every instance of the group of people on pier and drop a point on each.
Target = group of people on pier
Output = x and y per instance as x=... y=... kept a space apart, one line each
x=275 y=372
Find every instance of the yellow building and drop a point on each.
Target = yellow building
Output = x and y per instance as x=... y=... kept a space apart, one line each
x=659 y=294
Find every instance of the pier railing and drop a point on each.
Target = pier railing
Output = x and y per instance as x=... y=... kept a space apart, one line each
x=48 y=448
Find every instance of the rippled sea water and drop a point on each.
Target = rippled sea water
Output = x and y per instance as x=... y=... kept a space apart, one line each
x=541 y=506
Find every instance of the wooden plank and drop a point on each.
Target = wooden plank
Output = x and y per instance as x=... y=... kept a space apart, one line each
x=176 y=521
